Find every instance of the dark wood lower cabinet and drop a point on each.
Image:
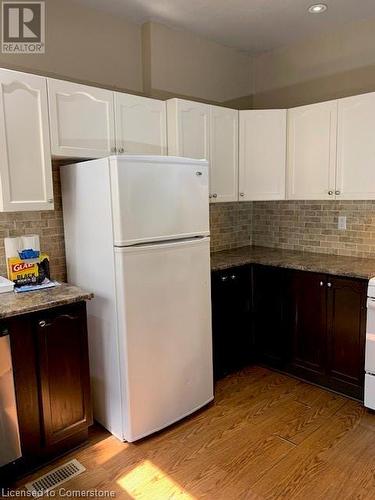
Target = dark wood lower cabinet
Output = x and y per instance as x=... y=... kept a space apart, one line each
x=231 y=320
x=270 y=296
x=51 y=375
x=346 y=334
x=307 y=324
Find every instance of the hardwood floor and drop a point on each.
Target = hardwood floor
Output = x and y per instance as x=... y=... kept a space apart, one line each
x=267 y=436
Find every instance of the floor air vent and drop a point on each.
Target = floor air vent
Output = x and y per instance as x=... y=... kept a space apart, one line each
x=55 y=477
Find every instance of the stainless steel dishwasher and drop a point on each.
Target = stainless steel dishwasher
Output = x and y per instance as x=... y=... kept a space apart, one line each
x=10 y=448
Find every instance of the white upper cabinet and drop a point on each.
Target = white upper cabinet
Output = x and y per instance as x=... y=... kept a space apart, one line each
x=141 y=125
x=82 y=120
x=25 y=156
x=262 y=154
x=355 y=176
x=311 y=162
x=223 y=154
x=188 y=129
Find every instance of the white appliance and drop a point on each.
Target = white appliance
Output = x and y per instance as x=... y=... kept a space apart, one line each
x=137 y=235
x=10 y=447
x=370 y=347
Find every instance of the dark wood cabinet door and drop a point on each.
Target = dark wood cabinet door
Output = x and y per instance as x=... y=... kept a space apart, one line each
x=63 y=372
x=346 y=334
x=270 y=287
x=231 y=290
x=308 y=326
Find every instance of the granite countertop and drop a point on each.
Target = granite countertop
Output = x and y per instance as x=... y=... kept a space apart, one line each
x=354 y=267
x=14 y=304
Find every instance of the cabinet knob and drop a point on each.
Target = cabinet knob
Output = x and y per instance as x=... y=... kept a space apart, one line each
x=242 y=194
x=214 y=195
x=330 y=193
x=224 y=278
x=122 y=150
x=210 y=196
x=329 y=284
x=321 y=283
x=198 y=173
x=233 y=277
x=337 y=192
x=42 y=323
x=113 y=149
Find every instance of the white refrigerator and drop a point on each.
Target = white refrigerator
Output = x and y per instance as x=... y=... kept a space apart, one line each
x=137 y=235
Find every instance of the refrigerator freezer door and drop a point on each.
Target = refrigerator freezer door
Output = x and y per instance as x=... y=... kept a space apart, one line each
x=156 y=198
x=164 y=312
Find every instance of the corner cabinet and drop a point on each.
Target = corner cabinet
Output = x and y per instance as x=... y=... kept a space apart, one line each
x=81 y=120
x=262 y=151
x=51 y=374
x=25 y=155
x=311 y=163
x=141 y=124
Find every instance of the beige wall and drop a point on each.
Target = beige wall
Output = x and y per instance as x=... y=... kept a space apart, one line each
x=182 y=63
x=86 y=45
x=336 y=65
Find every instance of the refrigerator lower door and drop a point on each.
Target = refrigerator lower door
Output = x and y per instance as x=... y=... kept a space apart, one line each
x=164 y=313
x=10 y=448
x=158 y=198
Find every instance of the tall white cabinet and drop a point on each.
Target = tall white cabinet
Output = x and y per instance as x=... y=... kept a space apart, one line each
x=188 y=129
x=82 y=120
x=141 y=124
x=312 y=151
x=262 y=154
x=355 y=175
x=197 y=130
x=223 y=154
x=25 y=156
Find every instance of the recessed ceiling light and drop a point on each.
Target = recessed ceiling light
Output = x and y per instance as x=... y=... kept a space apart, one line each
x=318 y=8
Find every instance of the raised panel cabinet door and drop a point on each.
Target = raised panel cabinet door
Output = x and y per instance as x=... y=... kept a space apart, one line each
x=63 y=372
x=25 y=155
x=308 y=325
x=356 y=148
x=141 y=125
x=223 y=154
x=81 y=120
x=347 y=334
x=188 y=127
x=311 y=157
x=262 y=154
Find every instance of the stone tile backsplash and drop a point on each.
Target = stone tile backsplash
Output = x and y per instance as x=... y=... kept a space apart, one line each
x=312 y=226
x=230 y=225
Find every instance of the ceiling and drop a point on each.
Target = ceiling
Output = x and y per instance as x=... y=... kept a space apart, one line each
x=251 y=25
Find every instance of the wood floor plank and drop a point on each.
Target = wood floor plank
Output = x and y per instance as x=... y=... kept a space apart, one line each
x=266 y=436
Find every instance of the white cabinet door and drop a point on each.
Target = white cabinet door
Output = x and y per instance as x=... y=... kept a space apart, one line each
x=81 y=120
x=262 y=154
x=188 y=129
x=355 y=177
x=223 y=154
x=141 y=125
x=311 y=162
x=25 y=156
